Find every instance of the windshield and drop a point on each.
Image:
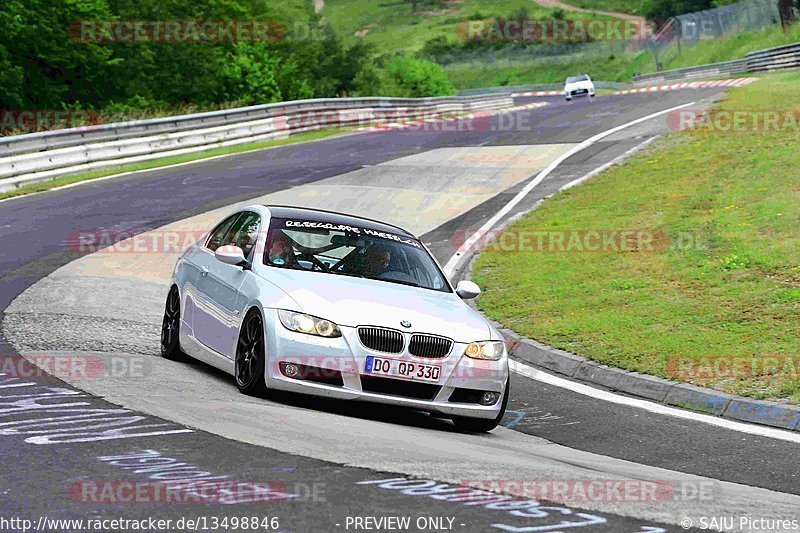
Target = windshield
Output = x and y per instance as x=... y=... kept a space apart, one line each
x=576 y=79
x=351 y=251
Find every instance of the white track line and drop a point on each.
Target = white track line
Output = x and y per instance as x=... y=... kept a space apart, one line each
x=615 y=161
x=450 y=266
x=652 y=407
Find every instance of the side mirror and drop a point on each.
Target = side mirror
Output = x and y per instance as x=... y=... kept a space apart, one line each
x=467 y=290
x=231 y=255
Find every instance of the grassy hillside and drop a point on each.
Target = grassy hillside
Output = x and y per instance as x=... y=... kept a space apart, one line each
x=289 y=11
x=608 y=67
x=615 y=66
x=632 y=7
x=391 y=26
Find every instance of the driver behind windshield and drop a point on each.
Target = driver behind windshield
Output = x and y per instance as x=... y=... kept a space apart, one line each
x=376 y=261
x=281 y=252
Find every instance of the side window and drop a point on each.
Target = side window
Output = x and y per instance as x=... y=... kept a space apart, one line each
x=245 y=232
x=217 y=236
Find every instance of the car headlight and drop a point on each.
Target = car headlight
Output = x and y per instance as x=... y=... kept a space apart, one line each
x=310 y=325
x=489 y=350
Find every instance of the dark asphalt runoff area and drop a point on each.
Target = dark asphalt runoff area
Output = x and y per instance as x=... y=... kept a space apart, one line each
x=53 y=478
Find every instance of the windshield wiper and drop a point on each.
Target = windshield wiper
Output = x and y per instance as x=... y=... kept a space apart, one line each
x=401 y=282
x=351 y=274
x=389 y=280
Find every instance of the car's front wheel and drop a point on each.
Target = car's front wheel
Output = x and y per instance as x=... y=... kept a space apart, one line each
x=249 y=363
x=483 y=425
x=171 y=328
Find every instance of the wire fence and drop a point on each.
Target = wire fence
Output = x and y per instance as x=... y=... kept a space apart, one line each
x=749 y=15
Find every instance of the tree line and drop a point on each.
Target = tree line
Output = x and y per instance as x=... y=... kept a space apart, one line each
x=48 y=59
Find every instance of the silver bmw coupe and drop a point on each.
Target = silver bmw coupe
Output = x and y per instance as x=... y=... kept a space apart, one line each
x=336 y=306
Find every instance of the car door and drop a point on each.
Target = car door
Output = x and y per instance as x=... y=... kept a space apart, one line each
x=216 y=321
x=198 y=259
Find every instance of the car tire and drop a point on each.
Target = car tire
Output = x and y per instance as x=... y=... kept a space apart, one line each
x=569 y=99
x=592 y=95
x=250 y=356
x=483 y=425
x=171 y=328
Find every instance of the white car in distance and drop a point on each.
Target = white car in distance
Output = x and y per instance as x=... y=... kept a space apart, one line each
x=578 y=86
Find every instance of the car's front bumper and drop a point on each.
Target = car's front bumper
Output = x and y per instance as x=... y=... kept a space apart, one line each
x=346 y=357
x=579 y=92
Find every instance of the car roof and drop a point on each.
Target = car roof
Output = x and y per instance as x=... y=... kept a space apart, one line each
x=319 y=215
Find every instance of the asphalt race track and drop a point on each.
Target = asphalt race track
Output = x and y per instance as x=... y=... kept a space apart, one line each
x=318 y=467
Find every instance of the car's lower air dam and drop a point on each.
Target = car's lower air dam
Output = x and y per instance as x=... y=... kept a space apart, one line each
x=324 y=376
x=398 y=387
x=474 y=396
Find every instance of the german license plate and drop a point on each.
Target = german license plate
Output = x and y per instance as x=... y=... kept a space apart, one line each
x=379 y=366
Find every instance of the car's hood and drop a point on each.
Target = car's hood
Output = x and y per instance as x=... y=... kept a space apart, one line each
x=350 y=301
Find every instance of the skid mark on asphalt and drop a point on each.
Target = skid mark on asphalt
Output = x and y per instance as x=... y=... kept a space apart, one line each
x=516 y=418
x=534 y=418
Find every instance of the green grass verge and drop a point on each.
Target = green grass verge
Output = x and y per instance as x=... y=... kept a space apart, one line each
x=610 y=67
x=172 y=160
x=733 y=294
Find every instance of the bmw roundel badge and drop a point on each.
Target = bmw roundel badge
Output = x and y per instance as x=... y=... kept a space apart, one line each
x=405 y=324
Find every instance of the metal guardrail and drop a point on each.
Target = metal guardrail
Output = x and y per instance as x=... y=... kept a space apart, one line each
x=109 y=132
x=778 y=58
x=728 y=68
x=510 y=89
x=40 y=156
